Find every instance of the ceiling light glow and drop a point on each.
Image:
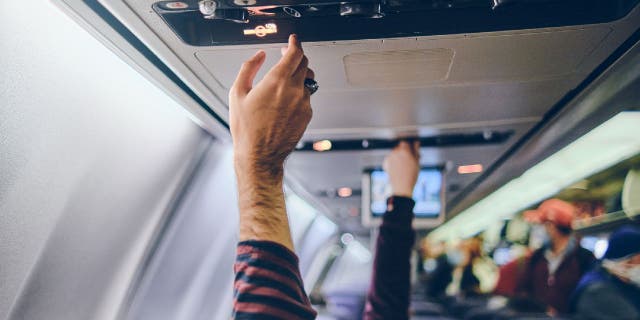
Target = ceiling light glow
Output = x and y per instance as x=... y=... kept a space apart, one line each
x=345 y=192
x=322 y=145
x=608 y=144
x=472 y=168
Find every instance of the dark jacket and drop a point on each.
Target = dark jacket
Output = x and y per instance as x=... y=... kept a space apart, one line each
x=388 y=296
x=600 y=295
x=554 y=291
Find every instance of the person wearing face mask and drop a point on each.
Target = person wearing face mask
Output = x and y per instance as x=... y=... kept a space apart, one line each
x=552 y=272
x=612 y=289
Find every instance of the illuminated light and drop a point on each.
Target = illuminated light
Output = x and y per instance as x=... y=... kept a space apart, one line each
x=615 y=140
x=322 y=145
x=261 y=31
x=600 y=248
x=346 y=238
x=177 y=5
x=472 y=168
x=259 y=11
x=345 y=192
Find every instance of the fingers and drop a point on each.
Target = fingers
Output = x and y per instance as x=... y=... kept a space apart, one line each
x=413 y=148
x=403 y=145
x=248 y=71
x=301 y=71
x=416 y=149
x=292 y=56
x=310 y=74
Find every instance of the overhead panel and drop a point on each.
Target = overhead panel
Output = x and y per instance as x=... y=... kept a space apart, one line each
x=410 y=63
x=476 y=66
x=217 y=22
x=412 y=67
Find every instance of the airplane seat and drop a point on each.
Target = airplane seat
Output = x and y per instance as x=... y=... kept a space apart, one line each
x=460 y=307
x=426 y=308
x=483 y=313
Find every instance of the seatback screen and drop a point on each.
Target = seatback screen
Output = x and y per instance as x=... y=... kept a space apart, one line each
x=427 y=193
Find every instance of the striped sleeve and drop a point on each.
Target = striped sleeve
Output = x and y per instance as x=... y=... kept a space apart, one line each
x=268 y=283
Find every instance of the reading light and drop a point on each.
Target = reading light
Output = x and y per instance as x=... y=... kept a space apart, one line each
x=472 y=168
x=208 y=8
x=606 y=145
x=345 y=192
x=177 y=5
x=322 y=145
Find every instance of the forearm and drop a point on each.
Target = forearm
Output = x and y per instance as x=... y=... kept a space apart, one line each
x=262 y=207
x=268 y=284
x=388 y=296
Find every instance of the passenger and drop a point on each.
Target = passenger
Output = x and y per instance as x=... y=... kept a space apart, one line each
x=476 y=274
x=438 y=271
x=388 y=296
x=473 y=278
x=612 y=289
x=553 y=271
x=266 y=122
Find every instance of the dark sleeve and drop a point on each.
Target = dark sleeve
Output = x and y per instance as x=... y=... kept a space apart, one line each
x=601 y=301
x=268 y=283
x=388 y=296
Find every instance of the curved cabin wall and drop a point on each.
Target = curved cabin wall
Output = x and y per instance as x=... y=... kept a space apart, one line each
x=91 y=157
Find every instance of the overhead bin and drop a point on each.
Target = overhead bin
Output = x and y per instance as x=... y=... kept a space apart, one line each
x=238 y=22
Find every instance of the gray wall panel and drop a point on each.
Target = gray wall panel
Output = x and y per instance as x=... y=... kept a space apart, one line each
x=91 y=155
x=190 y=276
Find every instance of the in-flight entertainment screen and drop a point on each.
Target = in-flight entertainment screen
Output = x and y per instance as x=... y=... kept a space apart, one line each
x=427 y=194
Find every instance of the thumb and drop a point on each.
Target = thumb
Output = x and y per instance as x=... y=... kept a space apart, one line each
x=248 y=71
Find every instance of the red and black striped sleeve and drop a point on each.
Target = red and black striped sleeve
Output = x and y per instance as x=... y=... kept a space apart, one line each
x=268 y=283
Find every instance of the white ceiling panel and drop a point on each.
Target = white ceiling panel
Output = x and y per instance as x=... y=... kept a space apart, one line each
x=423 y=86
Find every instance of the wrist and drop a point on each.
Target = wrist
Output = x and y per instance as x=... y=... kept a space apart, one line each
x=403 y=192
x=254 y=169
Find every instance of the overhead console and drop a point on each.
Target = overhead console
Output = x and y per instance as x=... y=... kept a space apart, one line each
x=239 y=22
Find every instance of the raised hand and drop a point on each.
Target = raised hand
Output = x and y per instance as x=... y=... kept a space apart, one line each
x=267 y=121
x=403 y=167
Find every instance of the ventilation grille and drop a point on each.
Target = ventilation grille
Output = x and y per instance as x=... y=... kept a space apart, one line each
x=391 y=68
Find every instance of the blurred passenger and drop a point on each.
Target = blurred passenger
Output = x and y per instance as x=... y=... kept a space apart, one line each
x=509 y=275
x=437 y=270
x=612 y=289
x=475 y=274
x=388 y=296
x=553 y=271
x=514 y=259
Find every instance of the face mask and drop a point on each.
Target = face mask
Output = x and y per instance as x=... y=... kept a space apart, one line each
x=539 y=237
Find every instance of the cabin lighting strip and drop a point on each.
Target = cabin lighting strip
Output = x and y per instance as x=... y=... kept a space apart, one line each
x=608 y=144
